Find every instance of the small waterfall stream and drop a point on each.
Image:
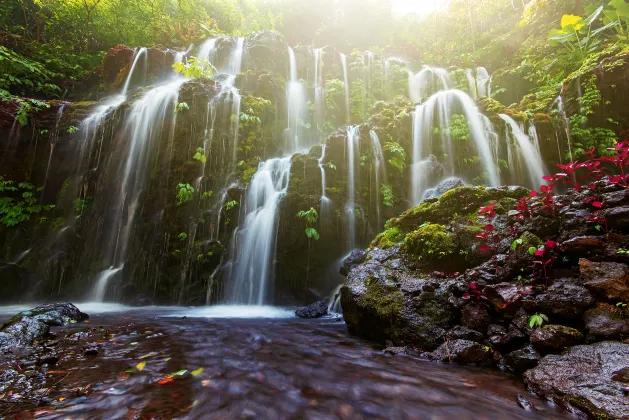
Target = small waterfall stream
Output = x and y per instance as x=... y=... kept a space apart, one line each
x=296 y=107
x=380 y=171
x=427 y=82
x=479 y=82
x=352 y=152
x=251 y=273
x=348 y=112
x=526 y=155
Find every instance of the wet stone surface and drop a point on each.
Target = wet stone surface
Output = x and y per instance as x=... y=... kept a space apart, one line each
x=149 y=364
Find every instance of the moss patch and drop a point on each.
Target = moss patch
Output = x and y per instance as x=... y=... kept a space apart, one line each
x=388 y=238
x=431 y=242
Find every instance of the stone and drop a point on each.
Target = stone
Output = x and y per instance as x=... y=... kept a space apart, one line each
x=443 y=187
x=586 y=378
x=506 y=296
x=316 y=310
x=608 y=280
x=53 y=314
x=508 y=340
x=460 y=332
x=606 y=322
x=355 y=258
x=475 y=317
x=555 y=338
x=522 y=359
x=461 y=352
x=563 y=298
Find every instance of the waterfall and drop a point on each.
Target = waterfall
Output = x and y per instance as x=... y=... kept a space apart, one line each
x=526 y=155
x=251 y=274
x=443 y=104
x=296 y=107
x=234 y=66
x=566 y=122
x=141 y=53
x=141 y=134
x=380 y=170
x=348 y=115
x=479 y=82
x=428 y=81
x=334 y=307
x=208 y=50
x=352 y=151
x=319 y=91
x=326 y=204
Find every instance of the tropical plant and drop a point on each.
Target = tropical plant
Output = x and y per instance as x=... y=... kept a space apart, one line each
x=200 y=155
x=19 y=202
x=397 y=154
x=195 y=68
x=185 y=192
x=310 y=216
x=537 y=320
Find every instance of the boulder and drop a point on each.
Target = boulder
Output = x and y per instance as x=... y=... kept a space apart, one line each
x=590 y=378
x=608 y=280
x=316 y=310
x=508 y=340
x=461 y=352
x=475 y=317
x=563 y=298
x=606 y=322
x=460 y=332
x=522 y=359
x=443 y=187
x=555 y=338
x=356 y=257
x=506 y=296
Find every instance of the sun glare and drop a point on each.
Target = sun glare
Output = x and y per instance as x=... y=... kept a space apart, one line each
x=421 y=7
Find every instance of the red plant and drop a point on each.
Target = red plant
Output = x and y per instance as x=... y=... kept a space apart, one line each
x=476 y=293
x=545 y=257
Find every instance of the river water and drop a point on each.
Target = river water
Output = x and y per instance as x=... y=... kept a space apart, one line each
x=254 y=363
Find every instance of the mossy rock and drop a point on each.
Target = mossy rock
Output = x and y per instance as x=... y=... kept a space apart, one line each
x=388 y=238
x=431 y=243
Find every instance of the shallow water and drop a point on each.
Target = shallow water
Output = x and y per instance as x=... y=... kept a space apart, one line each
x=274 y=366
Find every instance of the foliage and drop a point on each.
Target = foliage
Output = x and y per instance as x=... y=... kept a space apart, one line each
x=80 y=204
x=475 y=293
x=195 y=68
x=537 y=320
x=182 y=236
x=200 y=155
x=397 y=155
x=387 y=195
x=310 y=216
x=19 y=203
x=181 y=106
x=185 y=193
x=458 y=128
x=231 y=205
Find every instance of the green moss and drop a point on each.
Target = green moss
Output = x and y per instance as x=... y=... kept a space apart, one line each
x=431 y=242
x=388 y=238
x=387 y=302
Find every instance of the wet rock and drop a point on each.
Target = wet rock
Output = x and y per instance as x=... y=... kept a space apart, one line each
x=583 y=377
x=393 y=350
x=91 y=351
x=555 y=338
x=506 y=296
x=462 y=352
x=443 y=187
x=525 y=404
x=563 y=298
x=606 y=322
x=460 y=332
x=475 y=317
x=522 y=359
x=508 y=340
x=356 y=257
x=607 y=280
x=316 y=310
x=53 y=314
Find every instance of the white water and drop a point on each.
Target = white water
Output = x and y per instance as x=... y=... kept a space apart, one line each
x=526 y=155
x=234 y=311
x=442 y=104
x=428 y=81
x=380 y=170
x=352 y=151
x=348 y=115
x=325 y=208
x=143 y=128
x=319 y=90
x=251 y=272
x=295 y=107
x=334 y=307
x=208 y=50
x=566 y=122
x=234 y=66
x=479 y=82
x=141 y=53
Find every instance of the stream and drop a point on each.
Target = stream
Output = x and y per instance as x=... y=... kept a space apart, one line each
x=227 y=362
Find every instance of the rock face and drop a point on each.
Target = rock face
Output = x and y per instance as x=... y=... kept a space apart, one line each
x=607 y=322
x=608 y=280
x=591 y=378
x=316 y=310
x=356 y=257
x=28 y=326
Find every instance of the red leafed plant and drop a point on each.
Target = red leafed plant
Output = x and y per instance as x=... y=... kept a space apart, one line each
x=545 y=257
x=474 y=293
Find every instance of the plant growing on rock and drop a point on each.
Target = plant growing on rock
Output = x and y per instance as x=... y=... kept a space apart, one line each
x=397 y=158
x=20 y=202
x=545 y=257
x=537 y=320
x=195 y=68
x=387 y=195
x=200 y=155
x=474 y=294
x=311 y=216
x=185 y=193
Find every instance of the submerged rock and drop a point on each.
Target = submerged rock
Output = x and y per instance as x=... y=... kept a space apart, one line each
x=461 y=351
x=316 y=310
x=590 y=378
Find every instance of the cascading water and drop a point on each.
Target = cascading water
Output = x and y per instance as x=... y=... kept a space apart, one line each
x=526 y=155
x=352 y=151
x=296 y=107
x=143 y=128
x=319 y=90
x=348 y=114
x=566 y=123
x=442 y=105
x=325 y=208
x=251 y=273
x=380 y=169
x=479 y=82
x=427 y=82
x=208 y=50
x=141 y=53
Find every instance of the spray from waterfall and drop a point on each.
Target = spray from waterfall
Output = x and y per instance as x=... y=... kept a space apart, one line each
x=526 y=155
x=352 y=151
x=348 y=114
x=428 y=81
x=380 y=171
x=296 y=107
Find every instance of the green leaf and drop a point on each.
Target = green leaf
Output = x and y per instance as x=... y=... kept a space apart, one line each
x=532 y=250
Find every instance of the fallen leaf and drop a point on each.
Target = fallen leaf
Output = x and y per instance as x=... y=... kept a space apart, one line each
x=140 y=366
x=166 y=380
x=197 y=372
